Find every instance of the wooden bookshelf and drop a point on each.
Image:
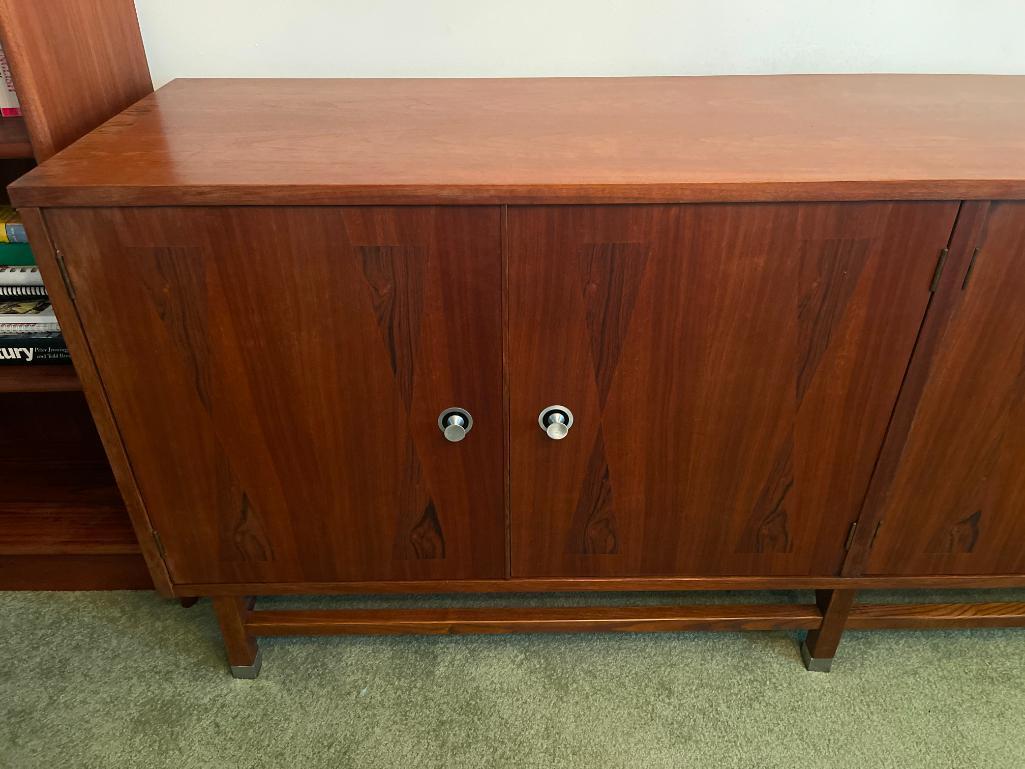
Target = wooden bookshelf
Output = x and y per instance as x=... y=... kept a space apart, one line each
x=63 y=525
x=63 y=507
x=54 y=378
x=14 y=141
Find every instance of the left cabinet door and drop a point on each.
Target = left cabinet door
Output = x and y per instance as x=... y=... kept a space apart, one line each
x=277 y=376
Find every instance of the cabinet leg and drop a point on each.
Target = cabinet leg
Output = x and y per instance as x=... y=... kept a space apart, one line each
x=243 y=651
x=819 y=646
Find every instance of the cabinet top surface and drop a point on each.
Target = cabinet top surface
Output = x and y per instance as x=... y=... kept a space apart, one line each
x=549 y=140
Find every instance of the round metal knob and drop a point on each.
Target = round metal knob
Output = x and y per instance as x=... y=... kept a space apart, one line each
x=455 y=423
x=556 y=421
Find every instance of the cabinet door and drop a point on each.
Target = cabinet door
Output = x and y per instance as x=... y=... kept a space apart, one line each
x=956 y=504
x=277 y=375
x=730 y=369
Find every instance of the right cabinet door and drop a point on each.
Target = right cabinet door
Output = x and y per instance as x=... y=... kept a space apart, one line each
x=956 y=504
x=730 y=369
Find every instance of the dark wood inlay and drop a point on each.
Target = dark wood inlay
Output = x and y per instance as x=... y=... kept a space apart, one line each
x=594 y=530
x=248 y=539
x=426 y=536
x=395 y=276
x=767 y=529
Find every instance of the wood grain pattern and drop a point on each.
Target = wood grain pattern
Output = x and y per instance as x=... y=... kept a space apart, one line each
x=944 y=300
x=57 y=505
x=835 y=605
x=299 y=387
x=533 y=620
x=14 y=141
x=99 y=405
x=731 y=369
x=74 y=572
x=75 y=63
x=232 y=614
x=604 y=584
x=550 y=140
x=937 y=615
x=48 y=378
x=954 y=504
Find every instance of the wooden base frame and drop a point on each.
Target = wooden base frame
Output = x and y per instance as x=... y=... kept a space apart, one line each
x=833 y=612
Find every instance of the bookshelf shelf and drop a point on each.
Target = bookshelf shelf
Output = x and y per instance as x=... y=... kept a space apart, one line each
x=14 y=139
x=63 y=524
x=58 y=378
x=63 y=508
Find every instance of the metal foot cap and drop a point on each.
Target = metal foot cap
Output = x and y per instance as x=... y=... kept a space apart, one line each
x=815 y=664
x=249 y=671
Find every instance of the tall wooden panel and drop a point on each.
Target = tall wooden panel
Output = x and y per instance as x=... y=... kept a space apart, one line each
x=731 y=370
x=75 y=64
x=956 y=504
x=278 y=375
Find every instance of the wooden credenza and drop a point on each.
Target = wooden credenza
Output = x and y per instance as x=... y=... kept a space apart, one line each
x=433 y=336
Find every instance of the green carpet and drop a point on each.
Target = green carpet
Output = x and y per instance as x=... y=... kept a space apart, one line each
x=112 y=680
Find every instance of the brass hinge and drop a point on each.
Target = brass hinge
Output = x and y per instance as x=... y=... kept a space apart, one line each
x=850 y=536
x=159 y=543
x=63 y=271
x=942 y=260
x=971 y=266
x=875 y=534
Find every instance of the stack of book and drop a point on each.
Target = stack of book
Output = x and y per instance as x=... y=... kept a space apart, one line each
x=9 y=105
x=29 y=333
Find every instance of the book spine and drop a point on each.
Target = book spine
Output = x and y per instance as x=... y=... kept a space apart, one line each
x=9 y=105
x=15 y=232
x=43 y=341
x=29 y=354
x=20 y=276
x=29 y=328
x=27 y=292
x=15 y=254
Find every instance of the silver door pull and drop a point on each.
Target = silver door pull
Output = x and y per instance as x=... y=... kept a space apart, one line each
x=455 y=423
x=556 y=421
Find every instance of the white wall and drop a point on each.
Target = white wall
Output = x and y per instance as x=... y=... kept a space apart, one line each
x=383 y=38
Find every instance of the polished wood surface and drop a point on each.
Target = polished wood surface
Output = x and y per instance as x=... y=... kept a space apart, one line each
x=95 y=395
x=835 y=606
x=573 y=140
x=731 y=370
x=232 y=615
x=74 y=62
x=945 y=298
x=14 y=141
x=74 y=572
x=533 y=620
x=821 y=389
x=52 y=506
x=299 y=385
x=58 y=500
x=936 y=615
x=48 y=378
x=955 y=503
x=601 y=584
